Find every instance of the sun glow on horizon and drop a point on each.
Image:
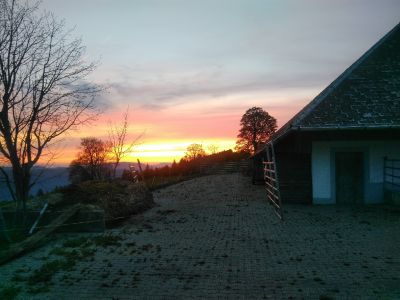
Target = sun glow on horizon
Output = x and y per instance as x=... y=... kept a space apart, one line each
x=168 y=151
x=150 y=152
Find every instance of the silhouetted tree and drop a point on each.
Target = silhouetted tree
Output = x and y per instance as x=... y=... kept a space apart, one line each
x=174 y=168
x=147 y=172
x=43 y=88
x=257 y=126
x=174 y=164
x=194 y=151
x=213 y=148
x=78 y=173
x=92 y=160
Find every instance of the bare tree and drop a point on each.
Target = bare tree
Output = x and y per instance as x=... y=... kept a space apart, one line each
x=43 y=92
x=117 y=138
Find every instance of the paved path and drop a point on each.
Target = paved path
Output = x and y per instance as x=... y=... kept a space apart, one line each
x=216 y=238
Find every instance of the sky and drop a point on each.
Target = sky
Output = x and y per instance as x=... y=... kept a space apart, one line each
x=188 y=70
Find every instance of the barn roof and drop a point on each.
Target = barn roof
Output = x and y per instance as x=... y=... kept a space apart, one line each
x=365 y=96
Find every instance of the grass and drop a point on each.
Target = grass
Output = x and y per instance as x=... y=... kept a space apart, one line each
x=63 y=258
x=40 y=279
x=9 y=292
x=45 y=273
x=72 y=256
x=68 y=259
x=71 y=252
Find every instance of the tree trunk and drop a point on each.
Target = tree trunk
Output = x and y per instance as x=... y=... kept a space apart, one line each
x=3 y=228
x=21 y=177
x=115 y=169
x=254 y=141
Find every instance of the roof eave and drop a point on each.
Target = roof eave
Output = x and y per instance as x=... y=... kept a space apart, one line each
x=347 y=127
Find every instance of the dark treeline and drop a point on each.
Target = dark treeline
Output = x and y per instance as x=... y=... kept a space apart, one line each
x=187 y=167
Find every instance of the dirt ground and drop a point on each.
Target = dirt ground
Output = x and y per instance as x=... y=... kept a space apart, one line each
x=216 y=237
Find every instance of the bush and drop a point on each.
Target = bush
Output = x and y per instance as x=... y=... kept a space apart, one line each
x=118 y=198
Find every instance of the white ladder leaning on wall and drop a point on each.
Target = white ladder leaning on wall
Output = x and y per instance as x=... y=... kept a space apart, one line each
x=272 y=181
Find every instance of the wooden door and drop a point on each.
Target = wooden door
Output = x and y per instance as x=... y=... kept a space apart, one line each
x=349 y=177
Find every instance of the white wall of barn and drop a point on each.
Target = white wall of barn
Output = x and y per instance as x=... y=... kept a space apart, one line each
x=323 y=167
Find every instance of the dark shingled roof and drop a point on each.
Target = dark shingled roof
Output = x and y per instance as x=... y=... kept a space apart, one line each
x=366 y=95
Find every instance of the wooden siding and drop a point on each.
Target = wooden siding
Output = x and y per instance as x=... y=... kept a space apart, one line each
x=294 y=171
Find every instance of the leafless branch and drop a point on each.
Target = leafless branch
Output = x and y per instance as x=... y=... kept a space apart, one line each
x=117 y=138
x=43 y=87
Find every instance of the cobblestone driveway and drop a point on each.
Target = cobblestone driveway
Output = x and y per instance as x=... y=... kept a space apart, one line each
x=216 y=238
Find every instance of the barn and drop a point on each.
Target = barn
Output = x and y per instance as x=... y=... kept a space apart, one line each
x=334 y=149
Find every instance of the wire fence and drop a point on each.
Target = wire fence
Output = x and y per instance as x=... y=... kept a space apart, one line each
x=91 y=221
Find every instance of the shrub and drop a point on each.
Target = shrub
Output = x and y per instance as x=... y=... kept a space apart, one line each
x=119 y=198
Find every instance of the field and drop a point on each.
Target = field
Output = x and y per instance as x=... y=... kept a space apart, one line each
x=216 y=237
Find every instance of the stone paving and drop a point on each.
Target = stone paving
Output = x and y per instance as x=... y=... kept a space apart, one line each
x=216 y=237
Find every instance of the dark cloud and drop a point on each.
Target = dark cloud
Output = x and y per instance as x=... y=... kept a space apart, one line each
x=158 y=95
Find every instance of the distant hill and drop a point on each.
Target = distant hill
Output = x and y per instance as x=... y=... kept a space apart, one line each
x=47 y=180
x=125 y=165
x=57 y=177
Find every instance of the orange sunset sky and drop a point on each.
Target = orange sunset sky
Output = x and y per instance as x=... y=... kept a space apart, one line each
x=188 y=70
x=167 y=133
